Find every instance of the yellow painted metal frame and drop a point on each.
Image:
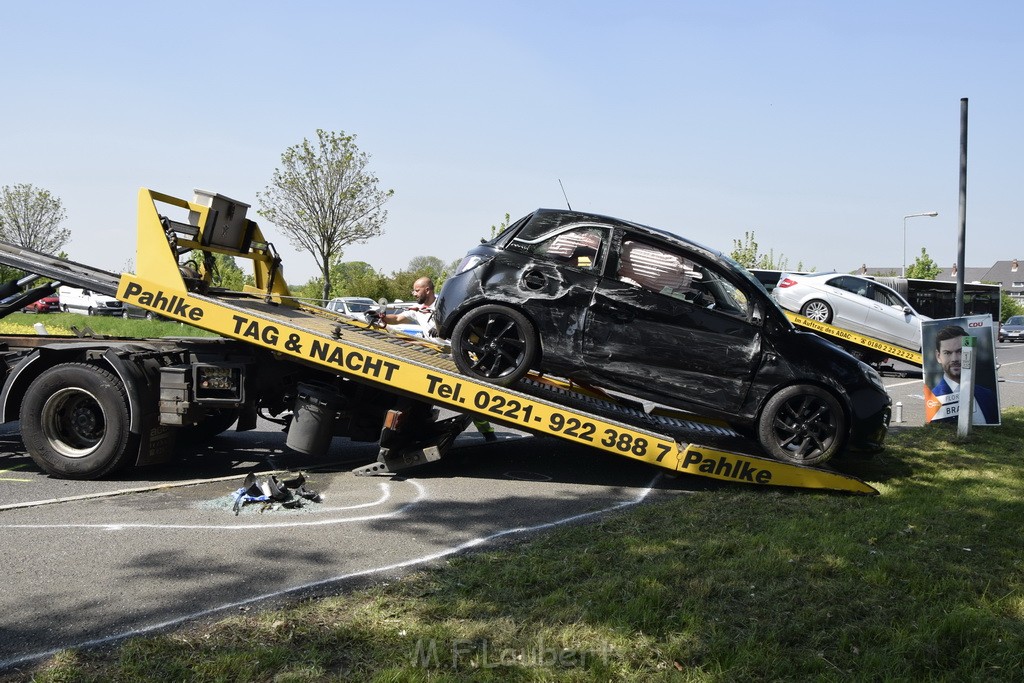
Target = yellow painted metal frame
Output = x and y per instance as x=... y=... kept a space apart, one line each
x=160 y=288
x=153 y=255
x=891 y=350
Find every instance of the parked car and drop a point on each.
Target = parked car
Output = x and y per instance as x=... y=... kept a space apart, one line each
x=88 y=302
x=852 y=303
x=1013 y=329
x=133 y=311
x=47 y=304
x=352 y=306
x=644 y=312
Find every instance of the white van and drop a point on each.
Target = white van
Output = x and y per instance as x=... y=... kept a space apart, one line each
x=88 y=302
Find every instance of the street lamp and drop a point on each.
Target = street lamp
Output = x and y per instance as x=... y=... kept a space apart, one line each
x=930 y=214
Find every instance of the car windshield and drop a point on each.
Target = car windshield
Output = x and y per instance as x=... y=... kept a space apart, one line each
x=358 y=307
x=1015 y=320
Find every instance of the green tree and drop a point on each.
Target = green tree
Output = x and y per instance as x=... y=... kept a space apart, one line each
x=324 y=197
x=499 y=228
x=354 y=278
x=923 y=267
x=747 y=253
x=226 y=271
x=30 y=217
x=1008 y=306
x=431 y=266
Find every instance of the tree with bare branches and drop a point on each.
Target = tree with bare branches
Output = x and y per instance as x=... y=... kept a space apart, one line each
x=324 y=197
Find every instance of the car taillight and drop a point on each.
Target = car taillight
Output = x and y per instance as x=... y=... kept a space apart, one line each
x=786 y=282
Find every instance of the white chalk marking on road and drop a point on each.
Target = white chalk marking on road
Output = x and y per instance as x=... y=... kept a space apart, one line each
x=121 y=526
x=473 y=543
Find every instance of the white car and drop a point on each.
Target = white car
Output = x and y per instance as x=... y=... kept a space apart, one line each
x=852 y=303
x=352 y=306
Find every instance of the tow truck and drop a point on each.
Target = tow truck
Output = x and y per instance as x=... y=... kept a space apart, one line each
x=875 y=352
x=90 y=405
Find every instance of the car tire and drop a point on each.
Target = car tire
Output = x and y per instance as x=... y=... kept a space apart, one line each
x=802 y=424
x=818 y=310
x=495 y=344
x=75 y=421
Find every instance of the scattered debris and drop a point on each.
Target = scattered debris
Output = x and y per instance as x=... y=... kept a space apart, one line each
x=290 y=493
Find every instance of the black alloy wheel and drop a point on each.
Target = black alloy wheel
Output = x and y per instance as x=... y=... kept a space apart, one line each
x=495 y=344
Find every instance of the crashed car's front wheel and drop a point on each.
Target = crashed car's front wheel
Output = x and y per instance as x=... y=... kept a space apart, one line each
x=802 y=424
x=495 y=344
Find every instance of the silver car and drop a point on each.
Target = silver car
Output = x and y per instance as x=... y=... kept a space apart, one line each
x=1013 y=329
x=352 y=306
x=852 y=303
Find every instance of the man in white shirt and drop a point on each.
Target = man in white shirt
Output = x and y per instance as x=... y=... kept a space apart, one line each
x=422 y=313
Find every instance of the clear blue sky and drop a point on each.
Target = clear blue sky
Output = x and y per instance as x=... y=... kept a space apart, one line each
x=816 y=125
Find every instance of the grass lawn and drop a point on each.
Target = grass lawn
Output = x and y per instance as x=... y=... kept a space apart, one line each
x=923 y=582
x=60 y=324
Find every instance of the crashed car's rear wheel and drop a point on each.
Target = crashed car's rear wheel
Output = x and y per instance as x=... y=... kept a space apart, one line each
x=803 y=424
x=816 y=309
x=75 y=421
x=494 y=343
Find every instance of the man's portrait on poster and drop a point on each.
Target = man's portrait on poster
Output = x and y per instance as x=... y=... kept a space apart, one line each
x=942 y=351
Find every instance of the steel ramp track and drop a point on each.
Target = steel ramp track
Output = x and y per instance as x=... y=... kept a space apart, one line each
x=67 y=272
x=418 y=369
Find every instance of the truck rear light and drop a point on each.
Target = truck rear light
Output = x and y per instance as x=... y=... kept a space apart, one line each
x=218 y=382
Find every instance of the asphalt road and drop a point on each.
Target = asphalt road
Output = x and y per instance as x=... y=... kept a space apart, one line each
x=88 y=563
x=110 y=559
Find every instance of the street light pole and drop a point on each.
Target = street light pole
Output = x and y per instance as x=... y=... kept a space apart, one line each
x=930 y=214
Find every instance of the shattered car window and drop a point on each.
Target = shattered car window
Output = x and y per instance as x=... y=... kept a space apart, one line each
x=672 y=274
x=577 y=248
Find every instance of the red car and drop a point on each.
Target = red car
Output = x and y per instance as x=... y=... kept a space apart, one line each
x=44 y=305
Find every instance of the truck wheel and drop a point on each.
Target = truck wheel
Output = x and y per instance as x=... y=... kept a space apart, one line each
x=802 y=424
x=816 y=309
x=496 y=344
x=75 y=421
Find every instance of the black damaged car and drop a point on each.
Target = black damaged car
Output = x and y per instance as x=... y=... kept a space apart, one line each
x=646 y=313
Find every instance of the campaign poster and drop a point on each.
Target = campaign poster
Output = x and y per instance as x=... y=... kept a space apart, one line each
x=942 y=353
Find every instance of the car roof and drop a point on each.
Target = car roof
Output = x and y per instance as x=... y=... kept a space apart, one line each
x=552 y=219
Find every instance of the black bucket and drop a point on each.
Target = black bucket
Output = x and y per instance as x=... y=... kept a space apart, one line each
x=313 y=415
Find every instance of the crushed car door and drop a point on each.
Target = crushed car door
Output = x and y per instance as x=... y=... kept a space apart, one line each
x=556 y=283
x=665 y=324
